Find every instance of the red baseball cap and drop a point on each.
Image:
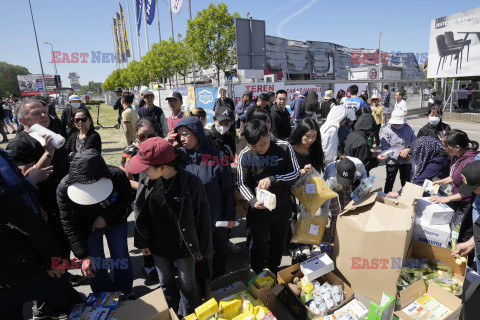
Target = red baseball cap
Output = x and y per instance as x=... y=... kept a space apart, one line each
x=152 y=152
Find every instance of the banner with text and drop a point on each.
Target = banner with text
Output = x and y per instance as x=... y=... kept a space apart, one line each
x=264 y=87
x=32 y=84
x=206 y=100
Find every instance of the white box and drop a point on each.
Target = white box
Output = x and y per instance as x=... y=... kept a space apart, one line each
x=317 y=266
x=434 y=213
x=437 y=235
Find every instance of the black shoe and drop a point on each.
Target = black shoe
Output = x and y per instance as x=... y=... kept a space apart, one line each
x=152 y=275
x=130 y=297
x=14 y=131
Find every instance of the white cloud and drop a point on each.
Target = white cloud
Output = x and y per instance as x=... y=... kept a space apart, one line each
x=290 y=17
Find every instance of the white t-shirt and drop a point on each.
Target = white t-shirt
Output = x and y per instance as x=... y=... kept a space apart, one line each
x=402 y=105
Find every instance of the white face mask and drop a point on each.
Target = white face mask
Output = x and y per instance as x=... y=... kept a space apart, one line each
x=222 y=129
x=75 y=104
x=434 y=120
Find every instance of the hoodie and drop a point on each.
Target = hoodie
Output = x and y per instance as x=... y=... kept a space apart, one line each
x=434 y=131
x=213 y=168
x=456 y=167
x=329 y=132
x=356 y=143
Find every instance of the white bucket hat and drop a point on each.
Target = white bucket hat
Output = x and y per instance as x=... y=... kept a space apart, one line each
x=398 y=117
x=90 y=192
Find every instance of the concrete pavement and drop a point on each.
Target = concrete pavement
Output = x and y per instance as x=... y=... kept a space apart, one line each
x=238 y=261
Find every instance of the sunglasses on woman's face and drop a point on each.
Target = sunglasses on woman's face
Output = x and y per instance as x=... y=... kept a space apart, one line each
x=142 y=137
x=78 y=120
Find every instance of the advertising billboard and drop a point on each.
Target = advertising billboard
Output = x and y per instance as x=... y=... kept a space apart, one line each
x=32 y=84
x=454 y=49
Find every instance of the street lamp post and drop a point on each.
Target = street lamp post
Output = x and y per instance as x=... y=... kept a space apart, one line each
x=54 y=62
x=38 y=49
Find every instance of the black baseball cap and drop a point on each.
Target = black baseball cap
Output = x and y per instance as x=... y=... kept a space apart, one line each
x=345 y=172
x=118 y=89
x=224 y=113
x=471 y=178
x=248 y=93
x=174 y=95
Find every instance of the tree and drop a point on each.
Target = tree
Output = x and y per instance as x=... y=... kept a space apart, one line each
x=8 y=78
x=211 y=37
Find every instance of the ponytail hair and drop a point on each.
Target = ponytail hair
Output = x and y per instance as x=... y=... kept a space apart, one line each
x=460 y=138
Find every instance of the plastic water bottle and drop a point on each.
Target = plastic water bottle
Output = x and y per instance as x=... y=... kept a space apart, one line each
x=364 y=188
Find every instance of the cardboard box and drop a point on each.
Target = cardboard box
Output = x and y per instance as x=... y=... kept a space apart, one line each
x=436 y=256
x=370 y=234
x=293 y=303
x=264 y=294
x=317 y=266
x=151 y=306
x=434 y=213
x=418 y=289
x=437 y=235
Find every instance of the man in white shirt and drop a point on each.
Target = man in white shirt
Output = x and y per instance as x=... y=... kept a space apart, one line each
x=400 y=103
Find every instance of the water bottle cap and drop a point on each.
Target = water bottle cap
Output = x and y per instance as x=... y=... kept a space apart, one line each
x=373 y=176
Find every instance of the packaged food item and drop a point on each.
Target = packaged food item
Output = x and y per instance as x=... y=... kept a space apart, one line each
x=307 y=297
x=263 y=313
x=192 y=316
x=307 y=286
x=426 y=307
x=311 y=190
x=76 y=312
x=94 y=313
x=229 y=309
x=263 y=280
x=208 y=310
x=103 y=299
x=248 y=315
x=269 y=199
x=244 y=295
x=310 y=230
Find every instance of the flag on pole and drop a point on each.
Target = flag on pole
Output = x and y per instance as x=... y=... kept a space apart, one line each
x=124 y=32
x=176 y=6
x=150 y=10
x=117 y=47
x=121 y=40
x=139 y=6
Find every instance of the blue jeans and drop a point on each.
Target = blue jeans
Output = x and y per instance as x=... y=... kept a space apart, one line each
x=183 y=298
x=41 y=287
x=122 y=265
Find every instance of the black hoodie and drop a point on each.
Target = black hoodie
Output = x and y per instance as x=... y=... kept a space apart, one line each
x=434 y=131
x=356 y=144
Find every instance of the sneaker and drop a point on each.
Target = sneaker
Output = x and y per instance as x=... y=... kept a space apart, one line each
x=75 y=280
x=233 y=248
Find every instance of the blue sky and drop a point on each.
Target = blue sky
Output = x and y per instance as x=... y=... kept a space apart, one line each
x=84 y=26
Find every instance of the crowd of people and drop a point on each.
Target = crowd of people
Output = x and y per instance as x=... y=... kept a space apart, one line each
x=179 y=177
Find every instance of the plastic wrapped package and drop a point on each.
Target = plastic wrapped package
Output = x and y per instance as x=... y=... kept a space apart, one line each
x=312 y=191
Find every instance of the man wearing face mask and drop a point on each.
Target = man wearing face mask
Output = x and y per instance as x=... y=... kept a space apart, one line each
x=396 y=139
x=435 y=128
x=68 y=114
x=220 y=136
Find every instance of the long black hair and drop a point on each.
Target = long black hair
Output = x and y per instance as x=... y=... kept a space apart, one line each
x=315 y=150
x=460 y=138
x=87 y=114
x=310 y=106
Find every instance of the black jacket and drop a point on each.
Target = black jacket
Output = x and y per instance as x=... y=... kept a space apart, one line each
x=431 y=131
x=356 y=144
x=118 y=106
x=27 y=244
x=281 y=126
x=228 y=102
x=279 y=164
x=92 y=141
x=77 y=219
x=193 y=217
x=224 y=143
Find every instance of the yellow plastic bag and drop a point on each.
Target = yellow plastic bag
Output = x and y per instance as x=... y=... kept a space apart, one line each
x=310 y=230
x=312 y=191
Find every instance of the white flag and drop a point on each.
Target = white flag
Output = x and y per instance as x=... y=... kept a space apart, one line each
x=176 y=6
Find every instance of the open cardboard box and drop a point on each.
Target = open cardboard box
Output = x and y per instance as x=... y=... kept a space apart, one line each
x=151 y=306
x=418 y=289
x=228 y=284
x=298 y=309
x=370 y=235
x=435 y=256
